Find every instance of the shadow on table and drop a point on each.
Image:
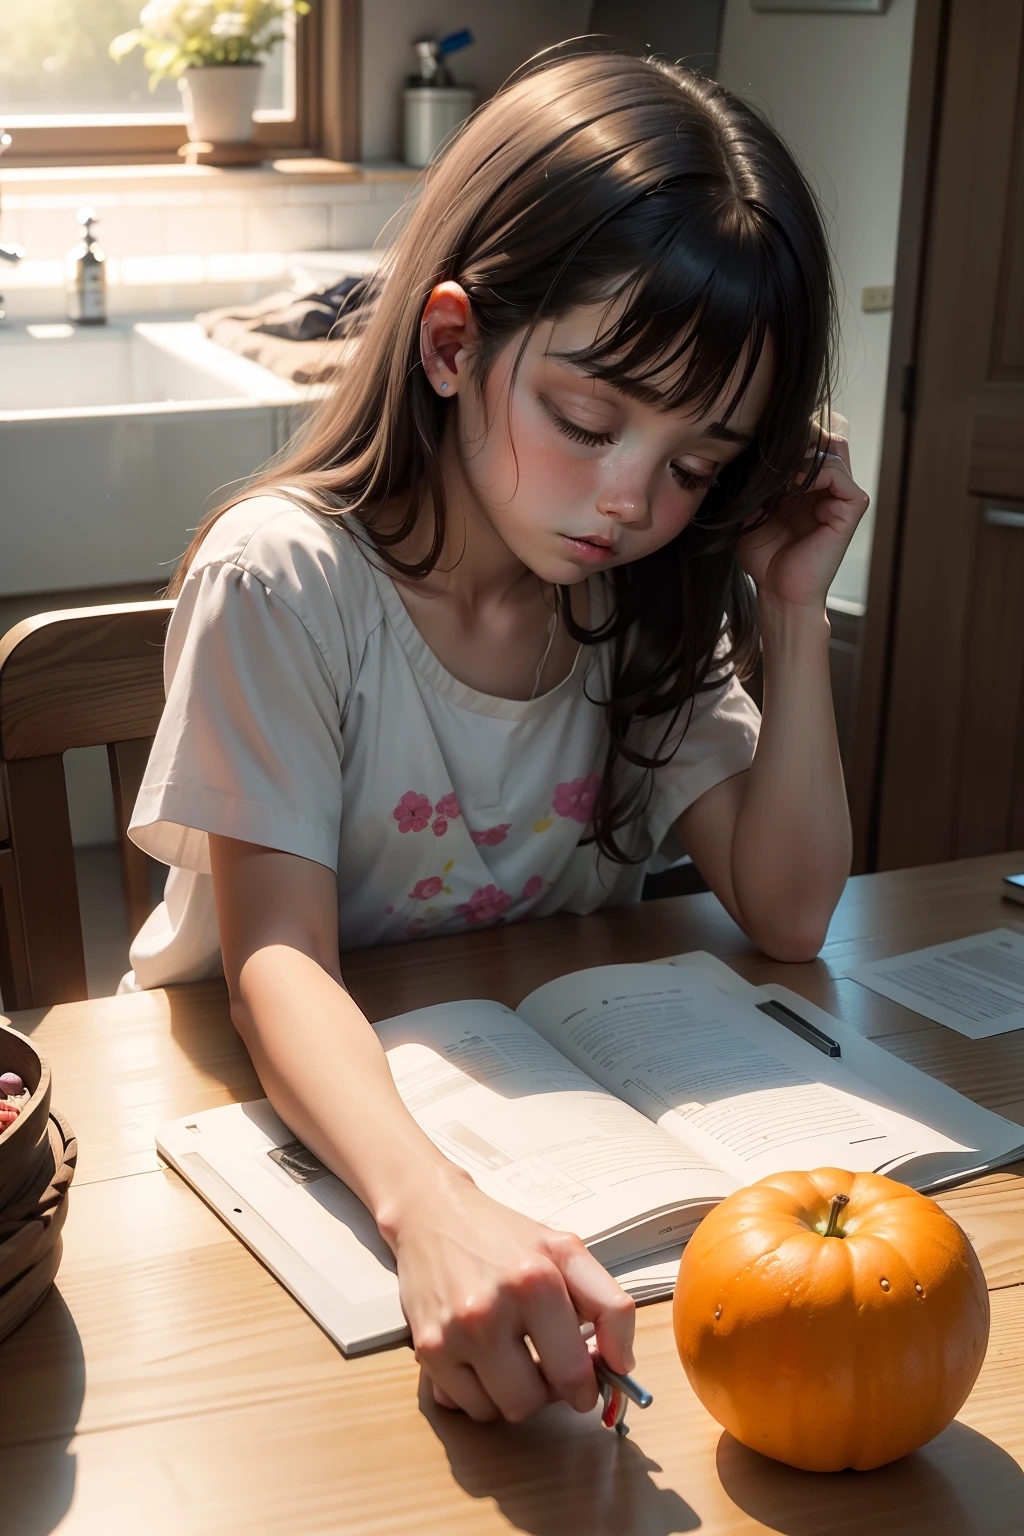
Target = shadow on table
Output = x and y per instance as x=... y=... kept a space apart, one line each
x=558 y=1473
x=42 y=1384
x=960 y=1484
x=201 y=1027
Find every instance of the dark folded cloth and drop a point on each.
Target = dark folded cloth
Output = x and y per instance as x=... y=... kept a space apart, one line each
x=316 y=316
x=310 y=336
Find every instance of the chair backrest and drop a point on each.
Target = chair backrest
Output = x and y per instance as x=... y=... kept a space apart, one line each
x=83 y=677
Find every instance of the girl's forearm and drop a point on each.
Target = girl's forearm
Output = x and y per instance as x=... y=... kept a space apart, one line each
x=327 y=1076
x=792 y=844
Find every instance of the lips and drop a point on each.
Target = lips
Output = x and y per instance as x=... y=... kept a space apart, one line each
x=593 y=541
x=590 y=551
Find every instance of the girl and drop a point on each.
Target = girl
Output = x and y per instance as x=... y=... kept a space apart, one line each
x=472 y=651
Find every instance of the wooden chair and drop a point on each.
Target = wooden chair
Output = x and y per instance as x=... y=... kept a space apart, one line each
x=84 y=677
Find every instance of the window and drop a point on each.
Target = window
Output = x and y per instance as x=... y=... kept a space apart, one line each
x=63 y=98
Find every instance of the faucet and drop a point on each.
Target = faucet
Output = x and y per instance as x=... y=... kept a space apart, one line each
x=9 y=253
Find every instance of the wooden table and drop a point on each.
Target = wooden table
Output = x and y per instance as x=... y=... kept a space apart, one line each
x=170 y=1385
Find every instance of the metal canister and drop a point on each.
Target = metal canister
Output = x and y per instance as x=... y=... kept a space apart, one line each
x=432 y=114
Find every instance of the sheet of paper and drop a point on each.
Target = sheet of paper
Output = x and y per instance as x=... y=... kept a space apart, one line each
x=975 y=985
x=303 y=1223
x=537 y=1133
x=724 y=1079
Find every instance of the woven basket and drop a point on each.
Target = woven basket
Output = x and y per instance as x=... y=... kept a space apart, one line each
x=37 y=1163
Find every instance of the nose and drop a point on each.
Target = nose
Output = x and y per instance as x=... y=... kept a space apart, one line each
x=624 y=502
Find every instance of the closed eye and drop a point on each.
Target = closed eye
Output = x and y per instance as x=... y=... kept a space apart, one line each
x=573 y=430
x=691 y=481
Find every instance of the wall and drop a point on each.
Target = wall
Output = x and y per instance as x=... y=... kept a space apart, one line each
x=684 y=30
x=506 y=35
x=836 y=87
x=184 y=238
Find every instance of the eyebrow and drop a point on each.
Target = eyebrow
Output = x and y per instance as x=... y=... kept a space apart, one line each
x=646 y=394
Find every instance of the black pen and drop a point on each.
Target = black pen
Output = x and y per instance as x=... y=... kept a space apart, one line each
x=809 y=1032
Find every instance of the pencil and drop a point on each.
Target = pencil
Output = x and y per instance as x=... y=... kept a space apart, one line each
x=627 y=1385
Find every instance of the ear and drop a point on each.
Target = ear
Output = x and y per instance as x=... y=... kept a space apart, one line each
x=447 y=335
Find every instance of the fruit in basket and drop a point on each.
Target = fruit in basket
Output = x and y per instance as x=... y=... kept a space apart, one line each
x=831 y=1319
x=13 y=1098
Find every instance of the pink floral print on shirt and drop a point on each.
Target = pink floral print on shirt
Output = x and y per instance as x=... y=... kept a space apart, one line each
x=412 y=812
x=533 y=887
x=433 y=885
x=447 y=809
x=575 y=800
x=492 y=836
x=485 y=904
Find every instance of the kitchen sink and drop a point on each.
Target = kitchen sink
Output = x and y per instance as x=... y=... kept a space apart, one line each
x=114 y=439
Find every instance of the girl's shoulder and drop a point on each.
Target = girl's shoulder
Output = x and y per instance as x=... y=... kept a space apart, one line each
x=312 y=561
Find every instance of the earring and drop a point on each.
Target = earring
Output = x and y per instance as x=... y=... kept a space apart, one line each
x=444 y=386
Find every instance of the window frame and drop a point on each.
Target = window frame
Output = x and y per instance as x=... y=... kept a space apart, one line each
x=326 y=120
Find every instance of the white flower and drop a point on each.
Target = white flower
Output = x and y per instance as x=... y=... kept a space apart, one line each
x=157 y=14
x=229 y=24
x=177 y=34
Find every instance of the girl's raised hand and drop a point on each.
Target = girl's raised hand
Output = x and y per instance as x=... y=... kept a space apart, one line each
x=794 y=558
x=477 y=1278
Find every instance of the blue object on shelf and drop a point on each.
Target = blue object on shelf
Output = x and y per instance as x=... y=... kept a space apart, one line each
x=454 y=41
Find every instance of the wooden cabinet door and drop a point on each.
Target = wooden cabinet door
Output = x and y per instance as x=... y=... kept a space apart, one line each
x=952 y=780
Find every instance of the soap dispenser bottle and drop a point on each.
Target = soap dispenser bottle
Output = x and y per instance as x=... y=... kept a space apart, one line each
x=87 y=276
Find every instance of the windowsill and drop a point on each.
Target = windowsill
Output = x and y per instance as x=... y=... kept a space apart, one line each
x=288 y=170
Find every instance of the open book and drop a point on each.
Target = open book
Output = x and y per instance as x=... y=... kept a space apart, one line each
x=620 y=1103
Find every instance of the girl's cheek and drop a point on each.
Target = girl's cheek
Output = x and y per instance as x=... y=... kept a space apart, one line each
x=551 y=465
x=537 y=469
x=673 y=518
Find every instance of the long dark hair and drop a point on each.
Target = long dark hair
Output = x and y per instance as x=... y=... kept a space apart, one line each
x=589 y=177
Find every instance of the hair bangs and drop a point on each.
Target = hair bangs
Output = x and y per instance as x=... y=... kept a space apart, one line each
x=689 y=329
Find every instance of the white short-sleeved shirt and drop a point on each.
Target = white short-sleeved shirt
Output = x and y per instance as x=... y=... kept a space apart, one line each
x=306 y=713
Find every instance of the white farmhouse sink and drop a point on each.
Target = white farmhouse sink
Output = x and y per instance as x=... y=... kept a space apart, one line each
x=114 y=439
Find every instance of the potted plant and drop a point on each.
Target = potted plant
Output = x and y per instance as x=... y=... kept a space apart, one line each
x=214 y=49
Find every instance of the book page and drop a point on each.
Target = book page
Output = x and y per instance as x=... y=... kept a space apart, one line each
x=538 y=1134
x=974 y=985
x=724 y=1079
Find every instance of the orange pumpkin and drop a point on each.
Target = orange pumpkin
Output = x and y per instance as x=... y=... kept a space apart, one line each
x=831 y=1332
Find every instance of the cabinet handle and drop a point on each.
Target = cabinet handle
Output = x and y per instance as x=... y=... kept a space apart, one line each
x=1002 y=517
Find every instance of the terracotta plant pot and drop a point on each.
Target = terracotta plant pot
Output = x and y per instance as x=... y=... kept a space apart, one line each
x=219 y=102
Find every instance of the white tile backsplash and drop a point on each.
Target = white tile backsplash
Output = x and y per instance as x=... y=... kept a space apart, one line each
x=145 y=271
x=120 y=231
x=46 y=233
x=287 y=229
x=147 y=230
x=205 y=230
x=357 y=226
x=168 y=198
x=340 y=192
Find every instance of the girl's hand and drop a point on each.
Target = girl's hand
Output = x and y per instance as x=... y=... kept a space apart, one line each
x=476 y=1278
x=794 y=558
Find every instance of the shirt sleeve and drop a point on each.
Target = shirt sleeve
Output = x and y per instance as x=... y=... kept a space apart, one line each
x=718 y=743
x=249 y=743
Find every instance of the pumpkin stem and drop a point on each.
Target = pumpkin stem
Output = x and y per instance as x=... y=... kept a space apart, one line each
x=838 y=1201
